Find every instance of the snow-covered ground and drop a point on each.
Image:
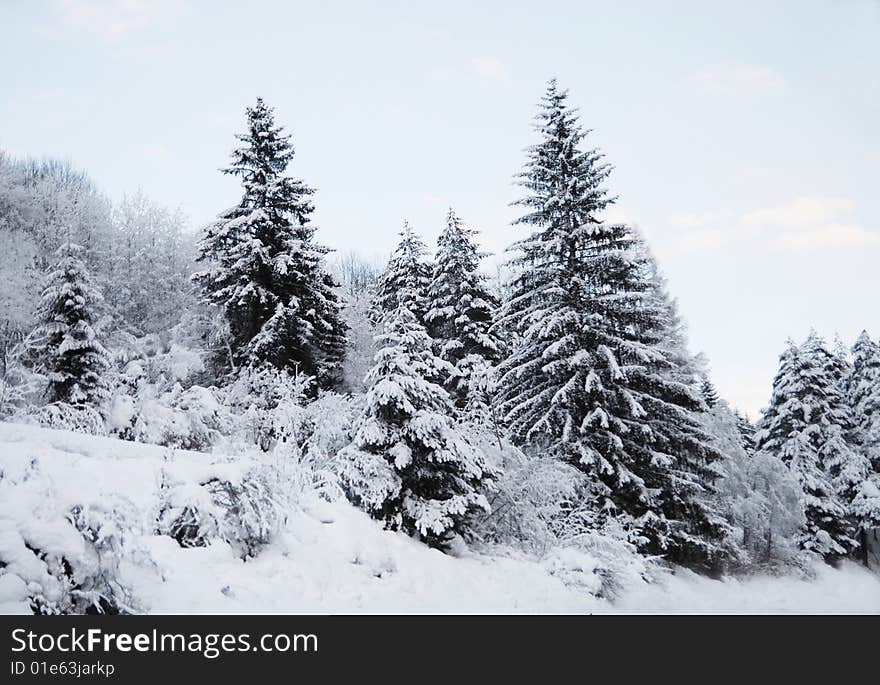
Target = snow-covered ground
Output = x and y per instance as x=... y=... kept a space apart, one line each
x=327 y=557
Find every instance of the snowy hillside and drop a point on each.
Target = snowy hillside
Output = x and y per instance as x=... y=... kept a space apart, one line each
x=85 y=517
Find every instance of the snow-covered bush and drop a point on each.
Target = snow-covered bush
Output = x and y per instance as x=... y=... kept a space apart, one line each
x=314 y=434
x=76 y=418
x=866 y=508
x=265 y=402
x=192 y=418
x=68 y=565
x=20 y=386
x=154 y=399
x=532 y=496
x=249 y=514
x=105 y=529
x=186 y=512
x=246 y=513
x=539 y=507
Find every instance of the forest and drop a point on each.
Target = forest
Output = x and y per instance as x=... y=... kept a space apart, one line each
x=556 y=405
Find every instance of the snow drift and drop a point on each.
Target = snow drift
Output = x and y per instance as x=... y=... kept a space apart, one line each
x=91 y=524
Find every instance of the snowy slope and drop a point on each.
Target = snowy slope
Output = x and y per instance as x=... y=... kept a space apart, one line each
x=328 y=557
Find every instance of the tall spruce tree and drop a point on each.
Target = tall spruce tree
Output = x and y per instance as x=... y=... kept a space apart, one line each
x=266 y=270
x=746 y=431
x=864 y=397
x=461 y=309
x=846 y=464
x=69 y=351
x=708 y=392
x=406 y=271
x=864 y=400
x=437 y=477
x=802 y=427
x=589 y=376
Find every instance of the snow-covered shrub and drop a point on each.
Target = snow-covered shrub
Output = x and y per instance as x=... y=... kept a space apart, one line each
x=178 y=364
x=68 y=565
x=251 y=514
x=540 y=507
x=154 y=399
x=186 y=512
x=246 y=514
x=20 y=386
x=105 y=529
x=317 y=433
x=531 y=498
x=264 y=401
x=146 y=410
x=76 y=418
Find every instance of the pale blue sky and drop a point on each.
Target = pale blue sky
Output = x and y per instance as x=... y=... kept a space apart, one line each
x=744 y=135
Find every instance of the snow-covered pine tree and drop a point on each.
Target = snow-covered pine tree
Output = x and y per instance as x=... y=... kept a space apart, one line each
x=698 y=459
x=802 y=427
x=68 y=350
x=746 y=431
x=589 y=377
x=684 y=367
x=408 y=465
x=406 y=271
x=266 y=272
x=707 y=390
x=864 y=400
x=461 y=309
x=864 y=397
x=845 y=463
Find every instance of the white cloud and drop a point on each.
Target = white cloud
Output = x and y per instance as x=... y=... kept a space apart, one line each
x=733 y=80
x=489 y=68
x=802 y=211
x=112 y=19
x=836 y=235
x=803 y=224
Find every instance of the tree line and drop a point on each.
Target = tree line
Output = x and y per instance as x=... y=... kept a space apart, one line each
x=582 y=356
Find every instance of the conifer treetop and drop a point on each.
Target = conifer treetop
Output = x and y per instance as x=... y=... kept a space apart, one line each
x=260 y=163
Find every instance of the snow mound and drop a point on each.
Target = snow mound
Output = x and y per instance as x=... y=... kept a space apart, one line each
x=82 y=529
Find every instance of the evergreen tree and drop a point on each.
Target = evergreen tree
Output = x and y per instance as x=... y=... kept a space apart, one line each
x=802 y=427
x=746 y=431
x=864 y=397
x=407 y=447
x=708 y=392
x=69 y=351
x=683 y=367
x=461 y=308
x=846 y=465
x=267 y=272
x=406 y=271
x=589 y=376
x=864 y=400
